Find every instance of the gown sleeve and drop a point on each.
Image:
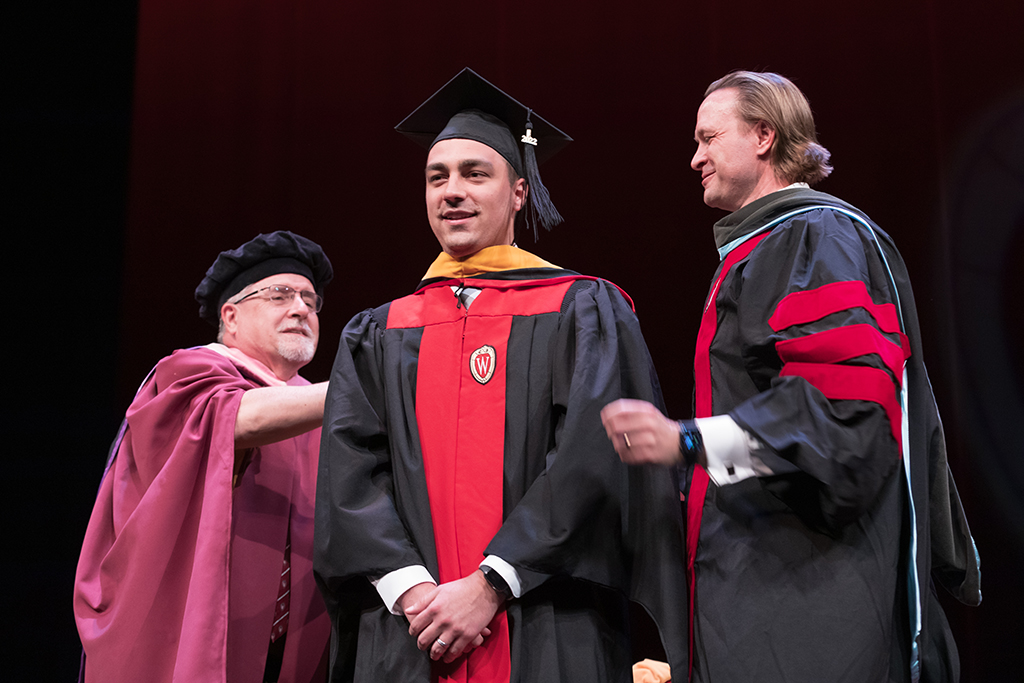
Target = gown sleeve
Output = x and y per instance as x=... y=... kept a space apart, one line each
x=359 y=532
x=587 y=512
x=820 y=338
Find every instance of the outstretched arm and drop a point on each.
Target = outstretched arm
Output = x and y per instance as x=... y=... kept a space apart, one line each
x=271 y=414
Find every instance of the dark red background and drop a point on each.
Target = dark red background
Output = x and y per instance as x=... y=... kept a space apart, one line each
x=147 y=137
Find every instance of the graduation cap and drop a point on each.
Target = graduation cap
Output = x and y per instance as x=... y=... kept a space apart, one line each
x=263 y=256
x=469 y=107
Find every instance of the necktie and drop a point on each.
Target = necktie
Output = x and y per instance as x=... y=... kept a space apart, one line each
x=284 y=590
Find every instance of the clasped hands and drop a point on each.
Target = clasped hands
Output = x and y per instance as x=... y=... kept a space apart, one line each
x=451 y=619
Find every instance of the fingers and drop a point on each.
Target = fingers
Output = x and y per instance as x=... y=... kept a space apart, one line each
x=629 y=414
x=456 y=649
x=626 y=408
x=418 y=622
x=425 y=630
x=421 y=595
x=449 y=646
x=433 y=635
x=439 y=647
x=621 y=420
x=640 y=433
x=448 y=643
x=457 y=614
x=427 y=640
x=465 y=645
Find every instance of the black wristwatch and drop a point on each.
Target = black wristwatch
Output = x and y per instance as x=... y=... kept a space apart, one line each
x=691 y=443
x=497 y=582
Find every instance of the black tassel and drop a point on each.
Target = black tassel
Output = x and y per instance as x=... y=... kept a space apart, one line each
x=539 y=208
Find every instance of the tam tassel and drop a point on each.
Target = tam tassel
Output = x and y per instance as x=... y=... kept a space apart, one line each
x=539 y=208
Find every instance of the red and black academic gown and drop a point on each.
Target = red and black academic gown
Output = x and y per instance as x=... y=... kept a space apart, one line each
x=179 y=573
x=451 y=433
x=804 y=574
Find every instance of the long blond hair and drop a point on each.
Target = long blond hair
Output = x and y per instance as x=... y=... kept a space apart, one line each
x=796 y=155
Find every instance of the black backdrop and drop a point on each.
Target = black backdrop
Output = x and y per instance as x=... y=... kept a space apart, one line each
x=141 y=138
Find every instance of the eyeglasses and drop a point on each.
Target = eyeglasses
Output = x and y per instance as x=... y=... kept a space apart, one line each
x=283 y=295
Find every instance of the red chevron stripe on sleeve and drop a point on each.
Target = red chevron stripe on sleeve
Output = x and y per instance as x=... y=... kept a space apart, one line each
x=809 y=305
x=843 y=343
x=850 y=382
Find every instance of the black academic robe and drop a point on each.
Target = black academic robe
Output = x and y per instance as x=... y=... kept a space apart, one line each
x=574 y=520
x=804 y=573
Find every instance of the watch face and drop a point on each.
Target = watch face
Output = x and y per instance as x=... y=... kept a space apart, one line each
x=497 y=582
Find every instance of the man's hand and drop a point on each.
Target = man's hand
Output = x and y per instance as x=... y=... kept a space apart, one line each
x=417 y=593
x=457 y=613
x=640 y=433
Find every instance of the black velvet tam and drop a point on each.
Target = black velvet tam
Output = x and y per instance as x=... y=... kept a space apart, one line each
x=263 y=256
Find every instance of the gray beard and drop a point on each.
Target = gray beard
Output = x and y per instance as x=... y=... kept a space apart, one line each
x=297 y=349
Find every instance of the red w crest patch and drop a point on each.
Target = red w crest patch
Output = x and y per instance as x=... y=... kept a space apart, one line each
x=482 y=362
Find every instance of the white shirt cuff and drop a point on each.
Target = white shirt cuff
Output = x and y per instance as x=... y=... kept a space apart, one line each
x=392 y=585
x=507 y=571
x=728 y=448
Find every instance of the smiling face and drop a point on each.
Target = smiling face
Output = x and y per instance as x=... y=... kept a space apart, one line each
x=470 y=202
x=733 y=155
x=281 y=336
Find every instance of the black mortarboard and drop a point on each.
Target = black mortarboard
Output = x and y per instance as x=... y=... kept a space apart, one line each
x=469 y=107
x=265 y=255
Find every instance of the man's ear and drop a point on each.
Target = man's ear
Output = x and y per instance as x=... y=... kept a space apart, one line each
x=519 y=191
x=229 y=318
x=765 y=137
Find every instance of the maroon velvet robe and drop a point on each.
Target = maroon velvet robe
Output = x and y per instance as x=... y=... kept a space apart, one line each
x=179 y=570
